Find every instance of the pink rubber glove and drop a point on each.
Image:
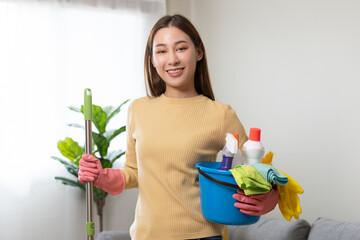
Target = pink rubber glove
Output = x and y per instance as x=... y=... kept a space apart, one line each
x=256 y=204
x=110 y=180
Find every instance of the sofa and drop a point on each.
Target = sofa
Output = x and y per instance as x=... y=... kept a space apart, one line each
x=277 y=229
x=280 y=229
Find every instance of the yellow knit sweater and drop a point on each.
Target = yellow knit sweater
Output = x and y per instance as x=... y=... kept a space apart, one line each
x=166 y=137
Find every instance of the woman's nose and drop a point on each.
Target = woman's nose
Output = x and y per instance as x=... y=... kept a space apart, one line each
x=173 y=58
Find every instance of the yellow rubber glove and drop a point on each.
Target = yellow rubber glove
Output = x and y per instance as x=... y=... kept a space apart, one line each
x=289 y=202
x=267 y=159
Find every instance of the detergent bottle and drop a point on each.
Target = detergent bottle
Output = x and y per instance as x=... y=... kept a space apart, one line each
x=253 y=150
x=229 y=151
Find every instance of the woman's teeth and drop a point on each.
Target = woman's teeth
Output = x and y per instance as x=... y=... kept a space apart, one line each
x=174 y=71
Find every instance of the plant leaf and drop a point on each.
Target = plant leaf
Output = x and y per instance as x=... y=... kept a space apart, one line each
x=76 y=125
x=99 y=118
x=115 y=155
x=107 y=110
x=116 y=111
x=75 y=109
x=70 y=149
x=105 y=163
x=101 y=143
x=70 y=167
x=112 y=154
x=70 y=182
x=110 y=135
x=77 y=160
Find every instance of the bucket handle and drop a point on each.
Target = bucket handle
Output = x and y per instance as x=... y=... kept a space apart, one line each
x=217 y=180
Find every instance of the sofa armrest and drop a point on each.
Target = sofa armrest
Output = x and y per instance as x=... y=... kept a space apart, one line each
x=278 y=229
x=328 y=229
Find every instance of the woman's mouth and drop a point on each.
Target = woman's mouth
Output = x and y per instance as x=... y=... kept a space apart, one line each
x=175 y=72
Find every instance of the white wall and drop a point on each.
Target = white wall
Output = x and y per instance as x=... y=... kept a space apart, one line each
x=292 y=69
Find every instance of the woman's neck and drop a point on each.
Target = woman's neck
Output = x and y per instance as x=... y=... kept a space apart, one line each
x=180 y=94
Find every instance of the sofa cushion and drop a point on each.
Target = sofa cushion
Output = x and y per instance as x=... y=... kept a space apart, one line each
x=328 y=229
x=114 y=235
x=278 y=229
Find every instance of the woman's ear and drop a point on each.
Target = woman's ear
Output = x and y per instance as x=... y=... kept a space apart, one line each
x=200 y=54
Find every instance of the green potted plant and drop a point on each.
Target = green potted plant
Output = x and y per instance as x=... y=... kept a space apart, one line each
x=101 y=143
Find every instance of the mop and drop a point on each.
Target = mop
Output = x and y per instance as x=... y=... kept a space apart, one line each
x=90 y=225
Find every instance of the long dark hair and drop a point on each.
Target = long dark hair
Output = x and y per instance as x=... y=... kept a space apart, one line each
x=155 y=86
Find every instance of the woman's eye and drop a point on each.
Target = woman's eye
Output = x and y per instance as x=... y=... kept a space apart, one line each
x=161 y=51
x=182 y=49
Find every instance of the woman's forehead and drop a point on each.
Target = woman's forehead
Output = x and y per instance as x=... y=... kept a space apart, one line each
x=170 y=36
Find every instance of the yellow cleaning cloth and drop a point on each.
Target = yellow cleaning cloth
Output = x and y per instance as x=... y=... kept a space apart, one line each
x=289 y=203
x=250 y=180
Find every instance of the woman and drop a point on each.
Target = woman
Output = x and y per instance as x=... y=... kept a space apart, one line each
x=177 y=125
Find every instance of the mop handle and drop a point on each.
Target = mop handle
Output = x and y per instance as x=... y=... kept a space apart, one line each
x=90 y=225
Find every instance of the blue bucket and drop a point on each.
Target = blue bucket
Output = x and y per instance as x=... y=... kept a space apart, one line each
x=216 y=190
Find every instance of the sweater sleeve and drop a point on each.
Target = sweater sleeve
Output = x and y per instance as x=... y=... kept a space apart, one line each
x=130 y=169
x=232 y=124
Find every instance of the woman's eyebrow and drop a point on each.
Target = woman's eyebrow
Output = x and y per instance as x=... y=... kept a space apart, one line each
x=160 y=45
x=176 y=43
x=181 y=41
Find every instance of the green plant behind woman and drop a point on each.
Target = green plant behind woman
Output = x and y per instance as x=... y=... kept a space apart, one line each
x=101 y=143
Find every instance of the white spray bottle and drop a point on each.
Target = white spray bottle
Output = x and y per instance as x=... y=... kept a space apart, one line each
x=253 y=150
x=229 y=151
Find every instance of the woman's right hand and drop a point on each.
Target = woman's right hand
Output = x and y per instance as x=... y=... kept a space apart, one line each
x=89 y=168
x=110 y=180
x=256 y=204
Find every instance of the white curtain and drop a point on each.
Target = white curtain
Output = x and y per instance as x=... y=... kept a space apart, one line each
x=50 y=51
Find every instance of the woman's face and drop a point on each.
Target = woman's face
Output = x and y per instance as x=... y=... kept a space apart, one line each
x=174 y=57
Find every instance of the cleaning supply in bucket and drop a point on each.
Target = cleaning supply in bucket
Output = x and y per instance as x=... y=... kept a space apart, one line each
x=216 y=194
x=250 y=180
x=229 y=151
x=253 y=150
x=289 y=202
x=271 y=174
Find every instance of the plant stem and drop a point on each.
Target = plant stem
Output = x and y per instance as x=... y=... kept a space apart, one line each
x=100 y=203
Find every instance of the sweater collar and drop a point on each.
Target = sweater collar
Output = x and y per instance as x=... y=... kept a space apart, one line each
x=181 y=101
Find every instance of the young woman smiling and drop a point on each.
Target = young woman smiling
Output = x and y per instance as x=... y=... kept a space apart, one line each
x=174 y=57
x=177 y=125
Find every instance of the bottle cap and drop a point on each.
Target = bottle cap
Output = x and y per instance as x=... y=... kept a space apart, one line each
x=237 y=138
x=255 y=134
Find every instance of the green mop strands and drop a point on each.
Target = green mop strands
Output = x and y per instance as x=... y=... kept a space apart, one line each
x=90 y=225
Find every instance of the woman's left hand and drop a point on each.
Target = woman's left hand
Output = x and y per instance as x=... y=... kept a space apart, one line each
x=256 y=204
